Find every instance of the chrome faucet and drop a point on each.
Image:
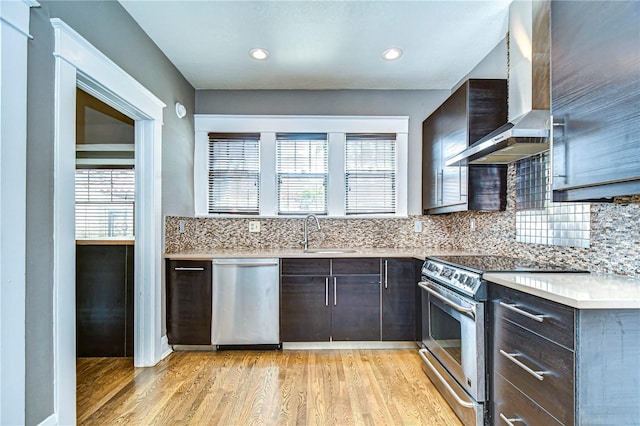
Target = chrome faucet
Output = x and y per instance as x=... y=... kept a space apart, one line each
x=305 y=242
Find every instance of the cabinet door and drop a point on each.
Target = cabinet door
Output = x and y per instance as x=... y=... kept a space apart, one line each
x=595 y=87
x=454 y=139
x=305 y=310
x=189 y=302
x=399 y=285
x=104 y=300
x=431 y=161
x=355 y=310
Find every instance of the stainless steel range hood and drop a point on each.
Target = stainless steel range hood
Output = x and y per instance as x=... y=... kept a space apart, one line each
x=527 y=133
x=525 y=136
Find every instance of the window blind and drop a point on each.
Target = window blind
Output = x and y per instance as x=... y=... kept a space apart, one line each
x=302 y=173
x=104 y=203
x=370 y=173
x=234 y=173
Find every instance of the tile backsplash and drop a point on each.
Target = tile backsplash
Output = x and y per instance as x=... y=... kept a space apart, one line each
x=614 y=234
x=538 y=219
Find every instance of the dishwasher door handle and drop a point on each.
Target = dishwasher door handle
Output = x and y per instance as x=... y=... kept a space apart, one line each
x=245 y=264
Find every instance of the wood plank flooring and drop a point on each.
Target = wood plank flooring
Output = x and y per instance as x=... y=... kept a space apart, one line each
x=290 y=387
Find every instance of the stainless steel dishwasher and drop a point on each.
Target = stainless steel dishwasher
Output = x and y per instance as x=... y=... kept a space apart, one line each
x=245 y=303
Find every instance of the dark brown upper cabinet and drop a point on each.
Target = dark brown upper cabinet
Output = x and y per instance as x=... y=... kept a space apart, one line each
x=474 y=110
x=595 y=87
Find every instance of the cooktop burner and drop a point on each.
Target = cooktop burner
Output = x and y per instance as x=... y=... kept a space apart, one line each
x=490 y=263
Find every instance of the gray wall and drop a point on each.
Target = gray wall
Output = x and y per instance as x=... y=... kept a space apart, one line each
x=109 y=28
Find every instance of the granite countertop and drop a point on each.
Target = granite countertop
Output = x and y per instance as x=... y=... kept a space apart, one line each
x=581 y=291
x=290 y=253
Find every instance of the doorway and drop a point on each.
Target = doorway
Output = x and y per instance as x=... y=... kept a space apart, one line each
x=78 y=64
x=104 y=229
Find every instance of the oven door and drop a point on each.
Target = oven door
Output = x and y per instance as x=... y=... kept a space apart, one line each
x=454 y=333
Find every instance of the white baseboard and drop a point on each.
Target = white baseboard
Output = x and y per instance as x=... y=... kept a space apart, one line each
x=165 y=349
x=51 y=420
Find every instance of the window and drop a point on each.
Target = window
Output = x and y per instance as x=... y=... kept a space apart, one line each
x=302 y=173
x=234 y=173
x=370 y=173
x=104 y=203
x=277 y=166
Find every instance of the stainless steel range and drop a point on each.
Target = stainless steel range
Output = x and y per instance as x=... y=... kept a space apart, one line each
x=454 y=327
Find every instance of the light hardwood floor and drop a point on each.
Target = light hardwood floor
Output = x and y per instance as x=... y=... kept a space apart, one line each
x=319 y=387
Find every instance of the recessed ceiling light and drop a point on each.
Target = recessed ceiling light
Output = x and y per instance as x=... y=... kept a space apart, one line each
x=392 y=54
x=259 y=53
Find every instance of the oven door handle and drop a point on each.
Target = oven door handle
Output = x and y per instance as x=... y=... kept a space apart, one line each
x=443 y=381
x=459 y=308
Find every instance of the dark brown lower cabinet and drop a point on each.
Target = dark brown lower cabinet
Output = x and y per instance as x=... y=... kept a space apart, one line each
x=553 y=364
x=189 y=302
x=104 y=300
x=355 y=313
x=305 y=311
x=320 y=306
x=399 y=287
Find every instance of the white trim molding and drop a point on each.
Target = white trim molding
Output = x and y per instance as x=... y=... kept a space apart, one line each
x=80 y=64
x=14 y=37
x=336 y=128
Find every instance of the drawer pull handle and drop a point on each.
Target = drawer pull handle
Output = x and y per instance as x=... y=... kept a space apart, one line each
x=185 y=268
x=463 y=403
x=512 y=357
x=515 y=308
x=510 y=422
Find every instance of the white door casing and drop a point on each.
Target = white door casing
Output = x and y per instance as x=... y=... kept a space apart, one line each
x=80 y=64
x=14 y=37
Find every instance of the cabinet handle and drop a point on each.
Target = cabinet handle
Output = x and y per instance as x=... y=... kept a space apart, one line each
x=335 y=292
x=512 y=357
x=326 y=291
x=185 y=268
x=463 y=403
x=510 y=422
x=386 y=269
x=561 y=124
x=441 y=187
x=514 y=308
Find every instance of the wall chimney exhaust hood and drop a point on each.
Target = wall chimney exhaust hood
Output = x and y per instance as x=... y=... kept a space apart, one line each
x=528 y=130
x=523 y=137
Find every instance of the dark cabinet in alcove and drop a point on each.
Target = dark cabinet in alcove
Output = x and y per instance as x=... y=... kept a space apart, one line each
x=104 y=300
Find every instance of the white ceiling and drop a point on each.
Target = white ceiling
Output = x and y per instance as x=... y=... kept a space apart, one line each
x=319 y=44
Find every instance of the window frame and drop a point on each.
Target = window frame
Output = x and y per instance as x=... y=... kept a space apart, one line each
x=336 y=128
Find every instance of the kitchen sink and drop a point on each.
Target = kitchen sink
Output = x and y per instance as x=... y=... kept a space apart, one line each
x=329 y=251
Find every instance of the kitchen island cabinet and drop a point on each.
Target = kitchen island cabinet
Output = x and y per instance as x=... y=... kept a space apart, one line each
x=595 y=87
x=474 y=110
x=555 y=364
x=189 y=284
x=330 y=299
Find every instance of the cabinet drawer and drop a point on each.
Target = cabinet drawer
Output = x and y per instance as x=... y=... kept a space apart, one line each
x=516 y=407
x=361 y=265
x=517 y=349
x=305 y=266
x=556 y=321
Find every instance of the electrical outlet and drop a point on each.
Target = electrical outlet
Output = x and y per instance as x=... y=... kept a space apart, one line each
x=417 y=226
x=181 y=226
x=254 y=226
x=472 y=226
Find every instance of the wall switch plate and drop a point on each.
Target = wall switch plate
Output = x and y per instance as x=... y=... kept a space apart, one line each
x=417 y=226
x=181 y=226
x=472 y=226
x=254 y=226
